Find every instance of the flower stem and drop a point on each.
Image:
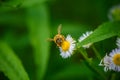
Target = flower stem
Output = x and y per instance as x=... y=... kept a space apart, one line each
x=113 y=76
x=90 y=64
x=96 y=52
x=84 y=54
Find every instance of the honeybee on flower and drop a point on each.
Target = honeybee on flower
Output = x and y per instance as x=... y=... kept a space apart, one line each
x=66 y=45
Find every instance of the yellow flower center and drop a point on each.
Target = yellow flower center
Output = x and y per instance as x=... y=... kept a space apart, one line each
x=65 y=45
x=116 y=59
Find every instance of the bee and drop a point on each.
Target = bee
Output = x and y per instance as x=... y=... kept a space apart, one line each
x=58 y=39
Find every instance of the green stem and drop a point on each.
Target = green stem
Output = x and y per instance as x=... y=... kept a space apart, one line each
x=90 y=64
x=96 y=52
x=113 y=76
x=84 y=54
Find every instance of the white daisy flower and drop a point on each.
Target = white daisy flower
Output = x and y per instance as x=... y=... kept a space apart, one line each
x=106 y=62
x=118 y=42
x=67 y=47
x=111 y=62
x=84 y=36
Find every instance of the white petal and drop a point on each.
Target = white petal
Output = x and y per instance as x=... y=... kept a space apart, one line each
x=118 y=42
x=84 y=36
x=105 y=69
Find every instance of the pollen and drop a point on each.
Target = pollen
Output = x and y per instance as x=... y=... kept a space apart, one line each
x=116 y=59
x=65 y=45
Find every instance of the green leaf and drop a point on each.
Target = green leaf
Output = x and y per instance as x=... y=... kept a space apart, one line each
x=104 y=31
x=37 y=20
x=10 y=64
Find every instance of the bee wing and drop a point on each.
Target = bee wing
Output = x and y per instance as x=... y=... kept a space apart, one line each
x=59 y=29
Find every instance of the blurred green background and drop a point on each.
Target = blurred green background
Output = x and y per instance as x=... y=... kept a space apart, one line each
x=25 y=25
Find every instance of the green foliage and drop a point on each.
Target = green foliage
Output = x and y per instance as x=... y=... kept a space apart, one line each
x=25 y=26
x=10 y=64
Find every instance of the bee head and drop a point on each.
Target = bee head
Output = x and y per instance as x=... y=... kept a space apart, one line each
x=58 y=39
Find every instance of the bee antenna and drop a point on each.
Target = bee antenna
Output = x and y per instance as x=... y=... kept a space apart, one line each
x=59 y=28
